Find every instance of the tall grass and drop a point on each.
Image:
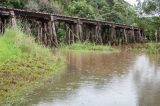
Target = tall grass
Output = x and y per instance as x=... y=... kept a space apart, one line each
x=153 y=48
x=90 y=47
x=14 y=43
x=22 y=62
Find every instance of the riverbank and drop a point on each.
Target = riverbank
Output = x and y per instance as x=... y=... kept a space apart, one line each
x=24 y=63
x=153 y=48
x=90 y=47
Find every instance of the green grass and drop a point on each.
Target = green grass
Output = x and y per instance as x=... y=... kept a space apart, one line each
x=90 y=47
x=23 y=63
x=153 y=48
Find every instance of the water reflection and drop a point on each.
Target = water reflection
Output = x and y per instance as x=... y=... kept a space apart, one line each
x=92 y=79
x=146 y=77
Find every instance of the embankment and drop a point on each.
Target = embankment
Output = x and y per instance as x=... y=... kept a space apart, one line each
x=24 y=63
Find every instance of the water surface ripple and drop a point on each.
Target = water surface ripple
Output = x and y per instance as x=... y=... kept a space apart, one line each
x=97 y=79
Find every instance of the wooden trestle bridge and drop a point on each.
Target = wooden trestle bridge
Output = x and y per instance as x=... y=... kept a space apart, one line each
x=44 y=26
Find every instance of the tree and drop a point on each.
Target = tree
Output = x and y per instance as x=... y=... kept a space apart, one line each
x=151 y=7
x=34 y=5
x=122 y=12
x=81 y=9
x=101 y=8
x=13 y=3
x=150 y=17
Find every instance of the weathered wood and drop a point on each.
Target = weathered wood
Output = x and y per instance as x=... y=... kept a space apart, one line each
x=125 y=36
x=2 y=28
x=41 y=33
x=108 y=36
x=13 y=19
x=1 y=25
x=116 y=36
x=103 y=35
x=113 y=33
x=69 y=35
x=54 y=35
x=45 y=34
x=88 y=34
x=139 y=36
x=144 y=36
x=79 y=29
x=133 y=40
x=98 y=33
x=50 y=33
x=72 y=28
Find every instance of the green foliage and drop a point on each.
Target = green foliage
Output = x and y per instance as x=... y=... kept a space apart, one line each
x=117 y=11
x=61 y=33
x=48 y=6
x=22 y=44
x=36 y=5
x=153 y=48
x=151 y=24
x=151 y=7
x=101 y=8
x=90 y=47
x=123 y=13
x=13 y=3
x=81 y=9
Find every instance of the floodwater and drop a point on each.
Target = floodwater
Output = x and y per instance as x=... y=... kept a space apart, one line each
x=98 y=79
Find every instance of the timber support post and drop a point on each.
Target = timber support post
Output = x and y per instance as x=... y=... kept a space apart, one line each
x=133 y=40
x=107 y=34
x=139 y=36
x=91 y=32
x=98 y=33
x=125 y=36
x=113 y=33
x=72 y=30
x=13 y=19
x=52 y=31
x=1 y=25
x=144 y=36
x=79 y=32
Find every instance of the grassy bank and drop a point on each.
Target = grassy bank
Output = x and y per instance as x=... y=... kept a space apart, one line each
x=153 y=48
x=23 y=63
x=90 y=47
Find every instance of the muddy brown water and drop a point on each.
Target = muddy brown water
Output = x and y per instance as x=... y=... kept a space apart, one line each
x=98 y=79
